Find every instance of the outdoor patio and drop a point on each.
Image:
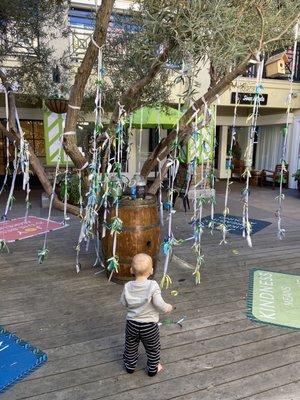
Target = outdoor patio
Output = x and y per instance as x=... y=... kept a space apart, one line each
x=217 y=354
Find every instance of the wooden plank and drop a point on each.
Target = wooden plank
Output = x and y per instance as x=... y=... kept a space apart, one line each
x=169 y=350
x=288 y=391
x=178 y=378
x=78 y=321
x=272 y=385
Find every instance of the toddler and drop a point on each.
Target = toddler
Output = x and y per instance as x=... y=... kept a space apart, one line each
x=143 y=300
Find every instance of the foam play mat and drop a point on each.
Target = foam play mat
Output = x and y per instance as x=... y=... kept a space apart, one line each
x=22 y=228
x=17 y=359
x=274 y=298
x=235 y=224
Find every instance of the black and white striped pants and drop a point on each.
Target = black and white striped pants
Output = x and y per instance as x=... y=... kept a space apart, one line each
x=148 y=334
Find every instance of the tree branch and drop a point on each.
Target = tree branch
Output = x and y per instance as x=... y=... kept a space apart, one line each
x=163 y=148
x=134 y=92
x=262 y=26
x=293 y=22
x=80 y=81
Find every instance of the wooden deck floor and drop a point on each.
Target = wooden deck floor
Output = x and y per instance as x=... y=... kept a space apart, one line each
x=217 y=354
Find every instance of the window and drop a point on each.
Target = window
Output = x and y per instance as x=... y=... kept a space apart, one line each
x=34 y=133
x=153 y=139
x=81 y=18
x=84 y=18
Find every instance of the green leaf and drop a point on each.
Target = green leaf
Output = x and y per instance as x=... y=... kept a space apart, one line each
x=3 y=246
x=42 y=255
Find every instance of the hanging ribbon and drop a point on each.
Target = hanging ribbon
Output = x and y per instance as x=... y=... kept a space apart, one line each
x=11 y=199
x=283 y=171
x=66 y=218
x=24 y=159
x=6 y=141
x=161 y=206
x=43 y=253
x=90 y=218
x=249 y=151
x=223 y=227
x=170 y=241
x=198 y=201
x=213 y=175
x=130 y=144
x=140 y=141
x=3 y=243
x=116 y=224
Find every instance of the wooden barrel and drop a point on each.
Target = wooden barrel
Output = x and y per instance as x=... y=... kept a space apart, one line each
x=140 y=234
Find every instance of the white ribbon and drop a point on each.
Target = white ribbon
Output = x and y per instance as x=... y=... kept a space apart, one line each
x=69 y=133
x=74 y=107
x=281 y=231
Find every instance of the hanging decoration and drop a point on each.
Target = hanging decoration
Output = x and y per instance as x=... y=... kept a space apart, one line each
x=116 y=223
x=283 y=170
x=44 y=251
x=140 y=142
x=169 y=241
x=66 y=196
x=11 y=198
x=212 y=173
x=130 y=143
x=57 y=106
x=249 y=150
x=6 y=141
x=202 y=158
x=79 y=173
x=24 y=158
x=3 y=244
x=160 y=200
x=198 y=204
x=21 y=159
x=106 y=188
x=90 y=218
x=229 y=167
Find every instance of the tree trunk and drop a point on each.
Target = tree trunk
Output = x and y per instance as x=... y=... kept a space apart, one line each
x=81 y=78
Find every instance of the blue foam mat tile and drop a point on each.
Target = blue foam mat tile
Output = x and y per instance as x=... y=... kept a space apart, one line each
x=17 y=359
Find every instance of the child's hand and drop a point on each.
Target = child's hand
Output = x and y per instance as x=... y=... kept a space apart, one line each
x=169 y=309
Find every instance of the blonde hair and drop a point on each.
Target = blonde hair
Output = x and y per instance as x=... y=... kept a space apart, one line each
x=141 y=264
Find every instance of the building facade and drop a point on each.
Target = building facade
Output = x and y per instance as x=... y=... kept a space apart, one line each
x=272 y=113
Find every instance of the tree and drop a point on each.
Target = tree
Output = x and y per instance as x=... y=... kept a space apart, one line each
x=27 y=31
x=224 y=35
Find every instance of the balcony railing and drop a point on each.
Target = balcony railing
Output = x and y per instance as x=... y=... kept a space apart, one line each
x=79 y=40
x=82 y=23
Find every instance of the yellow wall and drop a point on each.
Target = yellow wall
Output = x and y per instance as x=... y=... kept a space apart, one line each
x=276 y=89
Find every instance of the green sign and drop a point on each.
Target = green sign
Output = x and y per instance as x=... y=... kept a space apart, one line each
x=274 y=298
x=53 y=129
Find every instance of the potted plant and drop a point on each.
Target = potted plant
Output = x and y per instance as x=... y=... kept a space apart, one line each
x=57 y=101
x=72 y=188
x=296 y=176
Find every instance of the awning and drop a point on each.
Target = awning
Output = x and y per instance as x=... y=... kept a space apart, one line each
x=150 y=117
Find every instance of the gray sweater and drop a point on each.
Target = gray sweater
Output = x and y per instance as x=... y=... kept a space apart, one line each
x=143 y=301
